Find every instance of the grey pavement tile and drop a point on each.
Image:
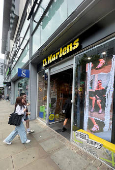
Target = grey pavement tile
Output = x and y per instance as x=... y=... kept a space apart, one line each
x=28 y=156
x=67 y=159
x=41 y=164
x=14 y=148
x=51 y=145
x=33 y=142
x=43 y=135
x=1 y=136
x=6 y=164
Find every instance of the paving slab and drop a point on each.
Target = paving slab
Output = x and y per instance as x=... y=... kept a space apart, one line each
x=42 y=164
x=71 y=161
x=51 y=145
x=14 y=148
x=6 y=164
x=28 y=156
x=44 y=135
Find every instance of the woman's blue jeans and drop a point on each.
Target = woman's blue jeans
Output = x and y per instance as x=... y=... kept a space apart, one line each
x=18 y=130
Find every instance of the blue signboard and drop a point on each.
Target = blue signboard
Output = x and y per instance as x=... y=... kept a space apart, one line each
x=23 y=73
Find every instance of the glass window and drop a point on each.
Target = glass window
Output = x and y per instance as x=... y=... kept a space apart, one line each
x=42 y=95
x=25 y=39
x=40 y=11
x=36 y=40
x=94 y=87
x=24 y=28
x=21 y=86
x=37 y=17
x=72 y=5
x=53 y=19
x=22 y=61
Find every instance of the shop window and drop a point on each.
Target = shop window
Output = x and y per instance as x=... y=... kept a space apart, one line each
x=55 y=16
x=21 y=86
x=42 y=95
x=94 y=90
x=36 y=40
x=22 y=60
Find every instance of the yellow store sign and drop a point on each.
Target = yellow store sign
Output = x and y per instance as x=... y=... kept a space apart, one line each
x=63 y=51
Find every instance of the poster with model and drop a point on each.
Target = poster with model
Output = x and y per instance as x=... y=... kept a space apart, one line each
x=99 y=97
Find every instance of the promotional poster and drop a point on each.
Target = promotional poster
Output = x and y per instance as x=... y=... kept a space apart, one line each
x=99 y=97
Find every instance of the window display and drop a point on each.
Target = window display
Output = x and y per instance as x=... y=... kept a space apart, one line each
x=94 y=87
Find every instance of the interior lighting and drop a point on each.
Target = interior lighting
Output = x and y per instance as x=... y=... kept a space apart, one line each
x=103 y=53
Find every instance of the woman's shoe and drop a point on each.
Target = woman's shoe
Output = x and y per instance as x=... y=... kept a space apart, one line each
x=28 y=141
x=92 y=110
x=100 y=111
x=8 y=143
x=95 y=128
x=31 y=131
x=64 y=129
x=101 y=64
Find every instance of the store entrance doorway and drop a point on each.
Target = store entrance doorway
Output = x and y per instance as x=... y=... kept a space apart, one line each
x=60 y=91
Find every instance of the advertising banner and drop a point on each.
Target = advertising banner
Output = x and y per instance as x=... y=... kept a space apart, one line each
x=99 y=97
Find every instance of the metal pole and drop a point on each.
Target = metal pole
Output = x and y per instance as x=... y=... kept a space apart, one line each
x=48 y=98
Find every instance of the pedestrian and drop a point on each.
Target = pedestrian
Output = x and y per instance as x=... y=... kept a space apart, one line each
x=20 y=110
x=27 y=113
x=0 y=96
x=7 y=97
x=67 y=111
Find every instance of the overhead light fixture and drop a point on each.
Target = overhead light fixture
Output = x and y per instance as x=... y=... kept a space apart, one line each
x=89 y=58
x=103 y=53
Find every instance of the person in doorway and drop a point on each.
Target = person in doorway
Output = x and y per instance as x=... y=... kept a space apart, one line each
x=67 y=111
x=20 y=109
x=27 y=113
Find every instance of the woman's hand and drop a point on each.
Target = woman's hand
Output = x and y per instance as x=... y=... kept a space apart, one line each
x=25 y=110
x=28 y=113
x=28 y=104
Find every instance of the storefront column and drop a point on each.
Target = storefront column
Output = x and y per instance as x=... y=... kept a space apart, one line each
x=5 y=91
x=73 y=99
x=32 y=90
x=12 y=93
x=48 y=97
x=32 y=86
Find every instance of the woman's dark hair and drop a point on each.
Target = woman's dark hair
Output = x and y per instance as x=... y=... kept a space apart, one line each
x=22 y=94
x=19 y=102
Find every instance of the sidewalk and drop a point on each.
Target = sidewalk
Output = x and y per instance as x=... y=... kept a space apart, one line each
x=47 y=150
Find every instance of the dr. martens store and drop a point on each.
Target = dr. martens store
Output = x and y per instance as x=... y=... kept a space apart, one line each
x=84 y=70
x=89 y=77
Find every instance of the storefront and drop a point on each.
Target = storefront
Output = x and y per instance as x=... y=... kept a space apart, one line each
x=90 y=76
x=93 y=125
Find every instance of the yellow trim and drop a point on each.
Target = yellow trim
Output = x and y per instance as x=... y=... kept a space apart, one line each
x=105 y=143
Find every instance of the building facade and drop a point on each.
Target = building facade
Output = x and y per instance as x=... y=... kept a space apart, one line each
x=1 y=76
x=69 y=49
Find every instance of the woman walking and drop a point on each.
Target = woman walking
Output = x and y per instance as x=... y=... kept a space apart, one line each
x=20 y=110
